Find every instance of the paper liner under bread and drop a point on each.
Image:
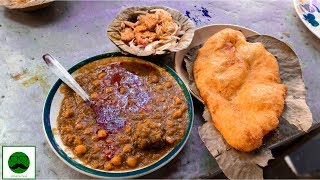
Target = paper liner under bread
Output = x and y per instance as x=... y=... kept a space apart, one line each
x=296 y=117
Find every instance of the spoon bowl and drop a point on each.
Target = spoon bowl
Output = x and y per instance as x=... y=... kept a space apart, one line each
x=63 y=74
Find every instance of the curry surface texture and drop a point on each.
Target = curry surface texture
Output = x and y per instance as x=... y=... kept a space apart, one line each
x=138 y=113
x=239 y=83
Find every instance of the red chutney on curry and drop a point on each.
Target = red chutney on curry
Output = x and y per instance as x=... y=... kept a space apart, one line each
x=137 y=115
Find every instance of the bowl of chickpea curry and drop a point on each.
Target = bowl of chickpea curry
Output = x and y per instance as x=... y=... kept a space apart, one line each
x=139 y=117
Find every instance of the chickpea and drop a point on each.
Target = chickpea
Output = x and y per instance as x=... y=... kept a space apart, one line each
x=177 y=114
x=177 y=100
x=67 y=113
x=107 y=151
x=94 y=165
x=94 y=95
x=109 y=141
x=102 y=133
x=159 y=87
x=116 y=160
x=96 y=82
x=161 y=99
x=95 y=137
x=128 y=130
x=102 y=158
x=131 y=161
x=77 y=140
x=96 y=149
x=149 y=107
x=86 y=161
x=64 y=89
x=87 y=131
x=141 y=111
x=127 y=148
x=108 y=166
x=79 y=126
x=154 y=78
x=106 y=82
x=108 y=90
x=169 y=139
x=102 y=75
x=168 y=84
x=170 y=131
x=67 y=129
x=90 y=74
x=68 y=139
x=80 y=150
x=80 y=117
x=137 y=156
x=169 y=123
x=122 y=90
x=157 y=115
x=183 y=108
x=78 y=99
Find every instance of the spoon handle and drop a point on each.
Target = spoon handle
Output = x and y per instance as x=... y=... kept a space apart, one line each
x=63 y=74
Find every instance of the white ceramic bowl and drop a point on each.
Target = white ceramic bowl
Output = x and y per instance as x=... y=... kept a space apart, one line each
x=51 y=111
x=309 y=13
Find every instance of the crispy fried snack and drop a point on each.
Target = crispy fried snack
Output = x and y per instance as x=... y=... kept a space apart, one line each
x=239 y=83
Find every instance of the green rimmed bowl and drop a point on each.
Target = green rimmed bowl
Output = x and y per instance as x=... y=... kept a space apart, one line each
x=51 y=111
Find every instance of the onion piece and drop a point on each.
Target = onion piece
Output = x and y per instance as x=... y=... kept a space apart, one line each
x=160 y=10
x=170 y=37
x=152 y=45
x=160 y=52
x=181 y=32
x=134 y=47
x=140 y=12
x=130 y=24
x=164 y=47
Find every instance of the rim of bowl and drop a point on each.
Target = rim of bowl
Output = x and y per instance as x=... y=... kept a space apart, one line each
x=312 y=29
x=113 y=174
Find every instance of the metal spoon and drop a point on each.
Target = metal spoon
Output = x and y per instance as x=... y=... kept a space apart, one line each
x=63 y=74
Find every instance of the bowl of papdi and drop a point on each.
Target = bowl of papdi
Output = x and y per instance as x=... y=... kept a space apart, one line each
x=151 y=30
x=139 y=118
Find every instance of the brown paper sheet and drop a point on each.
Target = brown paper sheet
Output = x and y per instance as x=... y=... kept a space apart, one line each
x=295 y=119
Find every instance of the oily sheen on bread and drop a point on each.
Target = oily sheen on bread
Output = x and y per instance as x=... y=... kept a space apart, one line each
x=239 y=83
